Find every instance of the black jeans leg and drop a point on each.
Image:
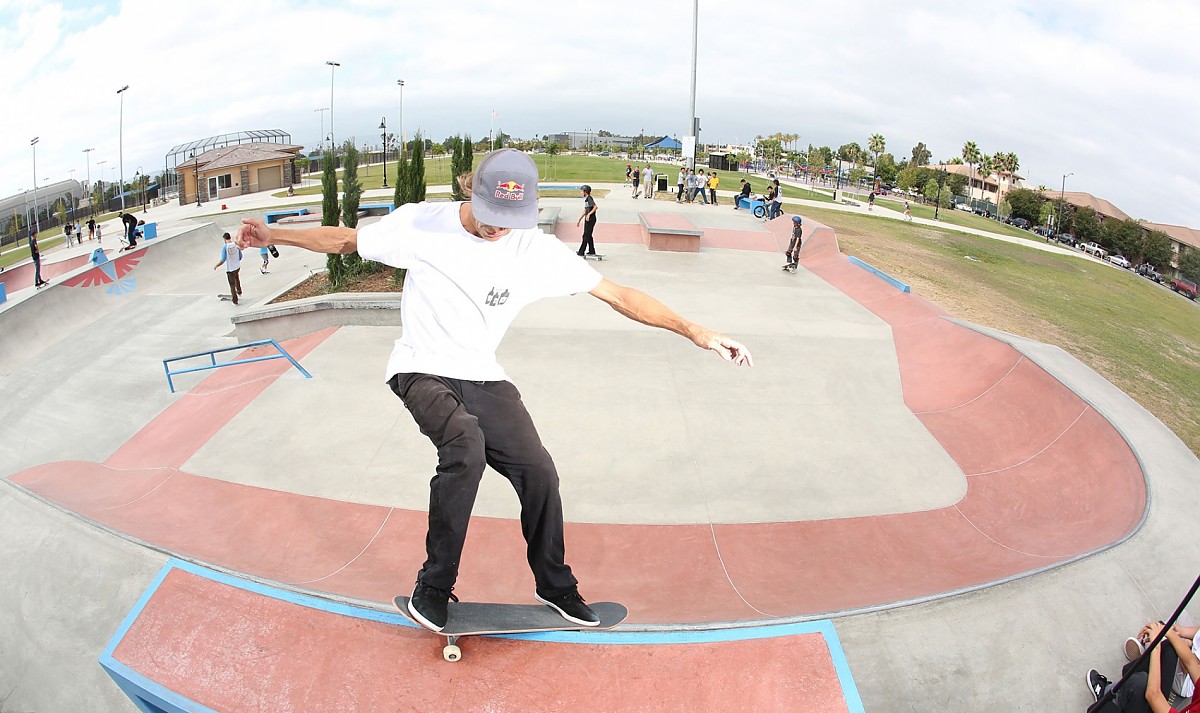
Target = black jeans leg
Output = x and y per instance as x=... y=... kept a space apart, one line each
x=473 y=424
x=588 y=245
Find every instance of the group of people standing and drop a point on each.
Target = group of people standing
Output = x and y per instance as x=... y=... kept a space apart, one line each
x=74 y=232
x=692 y=184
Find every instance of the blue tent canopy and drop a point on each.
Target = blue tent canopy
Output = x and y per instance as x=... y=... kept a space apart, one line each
x=666 y=143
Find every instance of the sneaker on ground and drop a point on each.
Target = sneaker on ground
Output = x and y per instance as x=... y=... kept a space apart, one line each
x=1133 y=648
x=428 y=605
x=1096 y=683
x=571 y=607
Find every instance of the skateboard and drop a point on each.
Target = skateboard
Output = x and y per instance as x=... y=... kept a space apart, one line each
x=790 y=267
x=273 y=250
x=596 y=257
x=482 y=619
x=225 y=298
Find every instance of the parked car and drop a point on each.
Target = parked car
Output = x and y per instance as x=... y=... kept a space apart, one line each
x=1066 y=239
x=1119 y=261
x=1149 y=272
x=1185 y=287
x=1020 y=223
x=1094 y=249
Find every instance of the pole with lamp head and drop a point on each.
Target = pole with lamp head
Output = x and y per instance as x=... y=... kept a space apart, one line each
x=1062 y=195
x=121 y=143
x=36 y=221
x=383 y=128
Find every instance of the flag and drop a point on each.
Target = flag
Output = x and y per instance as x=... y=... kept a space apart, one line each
x=495 y=113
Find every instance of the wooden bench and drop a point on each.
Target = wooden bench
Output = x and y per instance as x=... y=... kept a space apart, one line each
x=548 y=219
x=670 y=232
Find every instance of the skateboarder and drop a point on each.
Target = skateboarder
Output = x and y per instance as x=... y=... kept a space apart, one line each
x=231 y=258
x=36 y=254
x=589 y=222
x=471 y=267
x=793 y=251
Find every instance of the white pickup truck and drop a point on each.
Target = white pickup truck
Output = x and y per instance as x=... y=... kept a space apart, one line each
x=1094 y=249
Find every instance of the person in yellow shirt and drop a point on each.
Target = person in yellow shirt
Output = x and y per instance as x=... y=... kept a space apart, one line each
x=712 y=187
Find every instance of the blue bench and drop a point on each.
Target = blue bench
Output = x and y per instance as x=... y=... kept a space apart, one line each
x=275 y=215
x=756 y=207
x=376 y=209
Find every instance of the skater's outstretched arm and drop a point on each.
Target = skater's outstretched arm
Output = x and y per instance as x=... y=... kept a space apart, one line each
x=641 y=307
x=323 y=239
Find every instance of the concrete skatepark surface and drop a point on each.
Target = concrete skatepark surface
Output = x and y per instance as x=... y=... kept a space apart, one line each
x=944 y=495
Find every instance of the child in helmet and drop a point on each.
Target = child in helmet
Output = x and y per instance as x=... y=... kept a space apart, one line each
x=793 y=251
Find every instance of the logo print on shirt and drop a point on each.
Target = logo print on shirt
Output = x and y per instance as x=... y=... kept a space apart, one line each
x=510 y=190
x=495 y=299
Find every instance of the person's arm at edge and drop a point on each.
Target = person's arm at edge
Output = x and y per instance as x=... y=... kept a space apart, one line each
x=641 y=307
x=322 y=239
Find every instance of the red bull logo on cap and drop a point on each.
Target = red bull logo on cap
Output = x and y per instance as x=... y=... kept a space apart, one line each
x=510 y=190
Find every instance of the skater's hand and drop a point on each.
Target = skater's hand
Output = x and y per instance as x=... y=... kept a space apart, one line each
x=253 y=233
x=728 y=349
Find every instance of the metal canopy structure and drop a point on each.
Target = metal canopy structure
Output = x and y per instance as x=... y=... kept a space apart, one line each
x=183 y=152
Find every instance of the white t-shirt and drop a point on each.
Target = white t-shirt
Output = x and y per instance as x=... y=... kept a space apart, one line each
x=462 y=292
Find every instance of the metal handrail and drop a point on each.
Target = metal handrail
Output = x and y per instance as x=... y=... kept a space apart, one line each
x=212 y=355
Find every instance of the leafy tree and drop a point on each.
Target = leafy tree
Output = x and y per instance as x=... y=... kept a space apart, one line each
x=1026 y=204
x=931 y=189
x=1189 y=264
x=907 y=179
x=857 y=175
x=956 y=184
x=921 y=154
x=885 y=169
x=851 y=152
x=329 y=214
x=1124 y=236
x=1086 y=225
x=1156 y=250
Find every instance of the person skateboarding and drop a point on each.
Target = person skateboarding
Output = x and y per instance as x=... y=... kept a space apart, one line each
x=471 y=267
x=588 y=218
x=793 y=251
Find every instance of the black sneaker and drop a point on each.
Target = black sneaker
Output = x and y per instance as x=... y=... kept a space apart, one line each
x=571 y=607
x=428 y=606
x=1096 y=683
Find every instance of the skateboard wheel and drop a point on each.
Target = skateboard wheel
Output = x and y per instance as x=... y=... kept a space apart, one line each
x=452 y=653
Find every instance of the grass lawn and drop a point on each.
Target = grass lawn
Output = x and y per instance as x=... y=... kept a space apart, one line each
x=959 y=217
x=1141 y=337
x=571 y=168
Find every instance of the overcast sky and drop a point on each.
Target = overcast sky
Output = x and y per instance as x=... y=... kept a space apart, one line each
x=1107 y=90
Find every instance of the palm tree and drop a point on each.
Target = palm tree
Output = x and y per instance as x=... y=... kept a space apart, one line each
x=876 y=144
x=987 y=164
x=1007 y=163
x=970 y=154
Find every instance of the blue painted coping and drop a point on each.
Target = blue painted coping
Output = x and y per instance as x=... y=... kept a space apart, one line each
x=389 y=206
x=881 y=274
x=152 y=697
x=275 y=215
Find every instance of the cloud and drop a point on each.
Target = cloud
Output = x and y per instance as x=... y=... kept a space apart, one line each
x=1104 y=90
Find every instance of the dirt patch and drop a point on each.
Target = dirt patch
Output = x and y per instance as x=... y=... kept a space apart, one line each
x=382 y=281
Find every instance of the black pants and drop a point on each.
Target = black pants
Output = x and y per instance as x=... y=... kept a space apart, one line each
x=1132 y=696
x=588 y=226
x=235 y=283
x=473 y=424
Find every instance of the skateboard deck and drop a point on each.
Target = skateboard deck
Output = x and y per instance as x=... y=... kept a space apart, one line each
x=225 y=298
x=597 y=257
x=480 y=619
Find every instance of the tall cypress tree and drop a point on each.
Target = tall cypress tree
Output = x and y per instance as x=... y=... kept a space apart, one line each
x=329 y=214
x=351 y=198
x=400 y=195
x=416 y=170
x=456 y=160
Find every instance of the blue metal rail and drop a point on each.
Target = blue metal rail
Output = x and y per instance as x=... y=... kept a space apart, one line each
x=212 y=355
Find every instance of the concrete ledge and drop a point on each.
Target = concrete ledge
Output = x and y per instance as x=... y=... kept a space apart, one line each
x=670 y=232
x=276 y=216
x=548 y=219
x=295 y=318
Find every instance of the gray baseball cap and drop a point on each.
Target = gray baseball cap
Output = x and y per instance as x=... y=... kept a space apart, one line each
x=504 y=190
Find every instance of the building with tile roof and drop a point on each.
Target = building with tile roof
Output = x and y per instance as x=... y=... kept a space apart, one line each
x=238 y=169
x=990 y=188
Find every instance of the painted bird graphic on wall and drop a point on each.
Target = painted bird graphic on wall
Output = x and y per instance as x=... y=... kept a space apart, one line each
x=111 y=273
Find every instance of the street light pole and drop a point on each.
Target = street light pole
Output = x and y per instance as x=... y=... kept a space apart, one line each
x=322 y=111
x=1062 y=194
x=121 y=143
x=403 y=143
x=691 y=130
x=88 y=153
x=36 y=221
x=383 y=128
x=332 y=68
x=938 y=201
